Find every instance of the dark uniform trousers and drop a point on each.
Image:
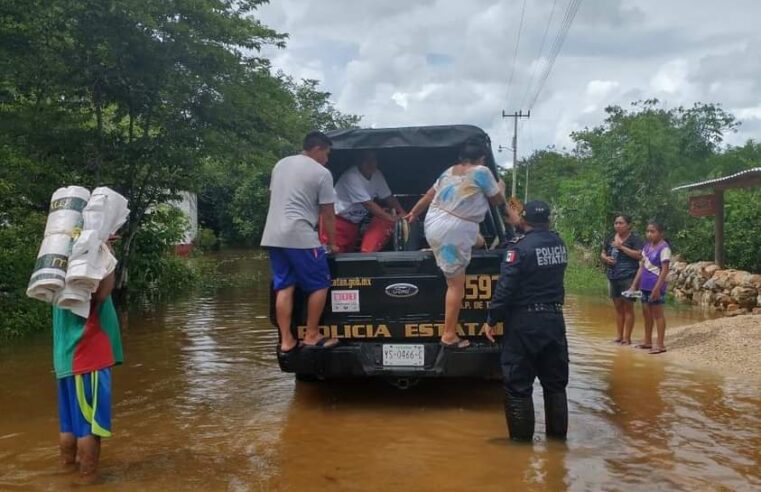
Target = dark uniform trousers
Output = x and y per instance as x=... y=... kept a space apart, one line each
x=534 y=345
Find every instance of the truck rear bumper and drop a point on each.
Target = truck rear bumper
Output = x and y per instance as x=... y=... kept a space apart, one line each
x=480 y=360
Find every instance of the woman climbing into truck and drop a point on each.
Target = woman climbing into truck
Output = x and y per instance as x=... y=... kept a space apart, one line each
x=458 y=200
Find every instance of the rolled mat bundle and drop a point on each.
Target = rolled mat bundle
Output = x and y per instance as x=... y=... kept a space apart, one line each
x=63 y=224
x=90 y=260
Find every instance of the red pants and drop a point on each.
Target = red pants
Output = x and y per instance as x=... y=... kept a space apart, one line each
x=377 y=234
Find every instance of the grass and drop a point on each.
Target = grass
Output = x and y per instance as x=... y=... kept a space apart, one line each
x=215 y=272
x=581 y=278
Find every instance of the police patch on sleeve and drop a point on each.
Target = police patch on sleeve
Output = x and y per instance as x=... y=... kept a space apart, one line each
x=511 y=256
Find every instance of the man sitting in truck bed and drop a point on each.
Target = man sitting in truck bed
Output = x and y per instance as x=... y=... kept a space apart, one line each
x=356 y=192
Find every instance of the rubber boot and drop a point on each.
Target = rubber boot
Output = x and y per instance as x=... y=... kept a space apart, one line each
x=556 y=415
x=519 y=413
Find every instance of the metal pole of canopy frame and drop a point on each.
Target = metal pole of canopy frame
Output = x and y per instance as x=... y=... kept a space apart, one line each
x=718 y=224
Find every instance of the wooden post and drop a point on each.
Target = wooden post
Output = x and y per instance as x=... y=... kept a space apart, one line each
x=719 y=228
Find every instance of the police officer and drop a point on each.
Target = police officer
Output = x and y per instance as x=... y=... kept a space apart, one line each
x=529 y=300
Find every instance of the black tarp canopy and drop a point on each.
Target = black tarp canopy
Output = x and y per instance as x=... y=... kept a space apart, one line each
x=410 y=158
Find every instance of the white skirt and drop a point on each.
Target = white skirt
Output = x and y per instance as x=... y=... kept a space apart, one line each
x=451 y=239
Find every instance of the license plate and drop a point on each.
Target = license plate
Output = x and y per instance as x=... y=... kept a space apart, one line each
x=403 y=355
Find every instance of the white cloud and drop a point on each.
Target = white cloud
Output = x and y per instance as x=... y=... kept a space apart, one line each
x=445 y=61
x=310 y=69
x=400 y=99
x=600 y=89
x=671 y=77
x=752 y=113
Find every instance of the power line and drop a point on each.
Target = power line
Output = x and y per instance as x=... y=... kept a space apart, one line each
x=515 y=52
x=557 y=45
x=555 y=48
x=539 y=54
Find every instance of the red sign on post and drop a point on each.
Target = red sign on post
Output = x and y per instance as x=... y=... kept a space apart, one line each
x=703 y=206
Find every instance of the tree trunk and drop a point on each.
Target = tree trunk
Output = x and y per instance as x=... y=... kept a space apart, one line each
x=122 y=269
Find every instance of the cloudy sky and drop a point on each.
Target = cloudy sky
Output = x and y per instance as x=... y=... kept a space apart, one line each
x=399 y=62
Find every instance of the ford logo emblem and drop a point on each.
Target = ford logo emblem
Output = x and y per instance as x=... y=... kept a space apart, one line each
x=401 y=290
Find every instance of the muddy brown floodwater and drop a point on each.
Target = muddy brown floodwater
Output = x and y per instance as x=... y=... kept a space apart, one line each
x=201 y=405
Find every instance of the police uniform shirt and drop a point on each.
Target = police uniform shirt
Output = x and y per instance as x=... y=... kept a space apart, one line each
x=532 y=273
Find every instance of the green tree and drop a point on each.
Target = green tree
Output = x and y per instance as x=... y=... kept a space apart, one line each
x=139 y=93
x=631 y=162
x=316 y=107
x=150 y=98
x=548 y=169
x=640 y=154
x=234 y=196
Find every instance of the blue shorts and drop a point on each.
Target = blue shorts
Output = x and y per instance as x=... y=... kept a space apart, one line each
x=646 y=298
x=306 y=268
x=84 y=404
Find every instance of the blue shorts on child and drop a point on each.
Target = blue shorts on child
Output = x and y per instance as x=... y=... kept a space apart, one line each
x=305 y=268
x=647 y=294
x=84 y=404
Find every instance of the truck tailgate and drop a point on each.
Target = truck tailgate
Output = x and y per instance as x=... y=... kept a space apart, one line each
x=400 y=296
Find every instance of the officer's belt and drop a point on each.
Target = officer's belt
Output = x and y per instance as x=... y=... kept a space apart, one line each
x=539 y=308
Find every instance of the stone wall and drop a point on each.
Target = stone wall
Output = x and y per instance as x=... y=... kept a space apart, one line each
x=704 y=284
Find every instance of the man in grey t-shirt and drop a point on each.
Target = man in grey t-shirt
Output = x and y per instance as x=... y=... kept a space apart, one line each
x=301 y=194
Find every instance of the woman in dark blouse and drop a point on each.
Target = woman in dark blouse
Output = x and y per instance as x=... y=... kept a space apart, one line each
x=621 y=253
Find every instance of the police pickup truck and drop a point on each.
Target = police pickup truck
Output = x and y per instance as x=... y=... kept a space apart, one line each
x=387 y=308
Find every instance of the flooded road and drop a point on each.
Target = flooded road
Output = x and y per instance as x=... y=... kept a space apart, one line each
x=201 y=405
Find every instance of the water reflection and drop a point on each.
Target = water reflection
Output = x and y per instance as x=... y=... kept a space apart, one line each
x=370 y=436
x=201 y=405
x=638 y=407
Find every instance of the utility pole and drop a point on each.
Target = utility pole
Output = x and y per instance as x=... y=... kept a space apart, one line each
x=515 y=117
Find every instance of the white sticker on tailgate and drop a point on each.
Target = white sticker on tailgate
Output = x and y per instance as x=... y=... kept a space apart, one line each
x=344 y=301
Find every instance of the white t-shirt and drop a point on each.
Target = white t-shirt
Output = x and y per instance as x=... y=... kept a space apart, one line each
x=298 y=187
x=353 y=189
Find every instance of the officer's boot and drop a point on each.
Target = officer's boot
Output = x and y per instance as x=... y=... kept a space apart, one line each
x=556 y=414
x=519 y=413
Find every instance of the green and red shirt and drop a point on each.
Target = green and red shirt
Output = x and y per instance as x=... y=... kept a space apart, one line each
x=85 y=345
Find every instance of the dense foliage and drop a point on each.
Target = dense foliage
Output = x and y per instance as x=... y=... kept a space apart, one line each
x=150 y=98
x=630 y=164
